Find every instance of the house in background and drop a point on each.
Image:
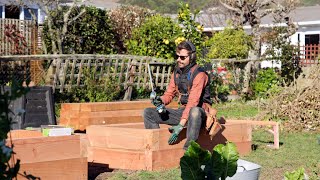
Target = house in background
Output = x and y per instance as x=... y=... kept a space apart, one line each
x=13 y=13
x=307 y=36
x=10 y=10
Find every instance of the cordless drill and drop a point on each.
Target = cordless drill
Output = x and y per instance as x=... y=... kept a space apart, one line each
x=156 y=100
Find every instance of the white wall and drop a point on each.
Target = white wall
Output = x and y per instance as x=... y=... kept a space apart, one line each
x=302 y=31
x=3 y=14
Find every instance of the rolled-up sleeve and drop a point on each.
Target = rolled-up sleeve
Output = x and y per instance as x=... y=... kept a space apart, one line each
x=170 y=91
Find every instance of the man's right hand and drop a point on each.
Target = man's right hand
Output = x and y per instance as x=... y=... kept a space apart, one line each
x=157 y=101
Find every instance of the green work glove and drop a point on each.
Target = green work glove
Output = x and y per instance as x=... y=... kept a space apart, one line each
x=175 y=132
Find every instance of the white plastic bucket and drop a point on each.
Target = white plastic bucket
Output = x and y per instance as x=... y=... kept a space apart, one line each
x=246 y=171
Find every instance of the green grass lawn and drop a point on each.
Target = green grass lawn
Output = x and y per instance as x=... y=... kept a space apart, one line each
x=237 y=110
x=299 y=149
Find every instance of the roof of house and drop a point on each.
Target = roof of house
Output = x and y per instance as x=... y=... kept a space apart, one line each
x=300 y=14
x=306 y=16
x=103 y=4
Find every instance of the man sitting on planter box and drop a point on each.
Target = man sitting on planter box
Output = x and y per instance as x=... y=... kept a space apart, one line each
x=191 y=84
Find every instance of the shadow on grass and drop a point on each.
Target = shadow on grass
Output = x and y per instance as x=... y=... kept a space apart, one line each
x=266 y=143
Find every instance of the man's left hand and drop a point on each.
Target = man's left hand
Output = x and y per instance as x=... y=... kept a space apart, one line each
x=175 y=132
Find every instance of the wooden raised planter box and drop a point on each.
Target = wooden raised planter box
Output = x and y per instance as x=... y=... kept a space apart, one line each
x=130 y=146
x=81 y=115
x=50 y=158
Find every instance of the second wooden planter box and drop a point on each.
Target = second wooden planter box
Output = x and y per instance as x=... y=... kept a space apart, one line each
x=50 y=157
x=131 y=146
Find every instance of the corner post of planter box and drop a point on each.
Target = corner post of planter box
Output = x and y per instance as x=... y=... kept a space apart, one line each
x=275 y=132
x=276 y=136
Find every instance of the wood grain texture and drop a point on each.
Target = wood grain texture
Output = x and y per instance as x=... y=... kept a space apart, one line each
x=60 y=157
x=68 y=169
x=81 y=115
x=148 y=149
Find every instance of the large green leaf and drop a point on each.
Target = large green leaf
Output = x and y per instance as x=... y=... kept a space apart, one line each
x=192 y=161
x=216 y=166
x=294 y=175
x=190 y=170
x=225 y=157
x=197 y=152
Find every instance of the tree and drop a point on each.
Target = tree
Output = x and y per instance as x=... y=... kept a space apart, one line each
x=229 y=43
x=57 y=34
x=124 y=20
x=155 y=37
x=91 y=33
x=251 y=12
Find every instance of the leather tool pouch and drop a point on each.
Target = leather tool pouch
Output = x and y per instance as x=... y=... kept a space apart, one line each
x=212 y=124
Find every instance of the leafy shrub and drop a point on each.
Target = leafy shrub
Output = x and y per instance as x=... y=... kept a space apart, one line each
x=155 y=37
x=266 y=82
x=219 y=90
x=94 y=90
x=126 y=18
x=97 y=89
x=279 y=48
x=229 y=43
x=91 y=33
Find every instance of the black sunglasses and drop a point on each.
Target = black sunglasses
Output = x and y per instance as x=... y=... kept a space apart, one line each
x=181 y=57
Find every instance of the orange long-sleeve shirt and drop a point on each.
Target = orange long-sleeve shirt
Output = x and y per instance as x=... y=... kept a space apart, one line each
x=198 y=85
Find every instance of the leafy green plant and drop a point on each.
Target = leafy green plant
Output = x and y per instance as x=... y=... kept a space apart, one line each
x=295 y=175
x=267 y=81
x=215 y=82
x=155 y=37
x=91 y=33
x=97 y=89
x=224 y=89
x=229 y=43
x=199 y=164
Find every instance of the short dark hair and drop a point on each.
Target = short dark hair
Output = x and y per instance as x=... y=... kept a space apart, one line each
x=186 y=45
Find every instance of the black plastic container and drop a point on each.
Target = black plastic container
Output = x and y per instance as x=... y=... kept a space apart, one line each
x=39 y=108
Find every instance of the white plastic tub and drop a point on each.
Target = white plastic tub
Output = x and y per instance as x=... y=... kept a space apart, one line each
x=246 y=171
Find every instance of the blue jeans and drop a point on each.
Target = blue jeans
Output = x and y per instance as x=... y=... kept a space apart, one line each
x=196 y=120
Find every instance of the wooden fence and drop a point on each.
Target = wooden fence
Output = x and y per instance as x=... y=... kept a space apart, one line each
x=68 y=70
x=309 y=54
x=26 y=29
